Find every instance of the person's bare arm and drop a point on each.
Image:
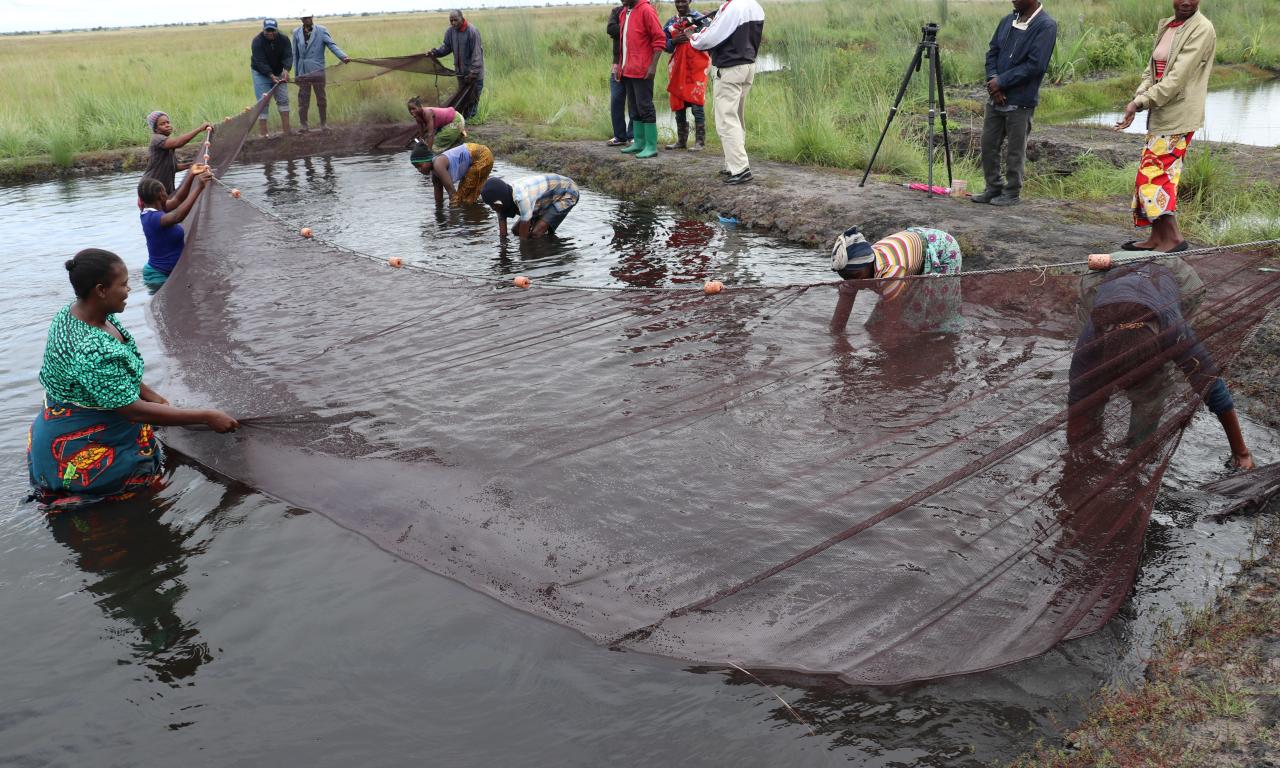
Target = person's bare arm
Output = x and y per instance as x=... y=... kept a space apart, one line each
x=177 y=215
x=163 y=415
x=440 y=173
x=150 y=395
x=173 y=142
x=1239 y=451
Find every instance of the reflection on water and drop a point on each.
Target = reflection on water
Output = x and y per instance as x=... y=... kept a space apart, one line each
x=1246 y=115
x=258 y=633
x=380 y=205
x=136 y=562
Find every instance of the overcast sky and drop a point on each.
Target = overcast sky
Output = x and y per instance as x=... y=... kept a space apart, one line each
x=33 y=15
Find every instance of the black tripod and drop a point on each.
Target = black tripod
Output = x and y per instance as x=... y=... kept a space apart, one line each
x=927 y=49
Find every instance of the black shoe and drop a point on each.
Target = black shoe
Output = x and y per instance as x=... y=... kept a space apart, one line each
x=985 y=197
x=739 y=178
x=1131 y=245
x=723 y=174
x=1003 y=199
x=1180 y=247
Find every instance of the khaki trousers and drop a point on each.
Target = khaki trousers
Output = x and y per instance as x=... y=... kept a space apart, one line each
x=732 y=84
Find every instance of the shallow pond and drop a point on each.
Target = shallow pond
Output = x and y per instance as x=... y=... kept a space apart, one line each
x=215 y=625
x=1246 y=115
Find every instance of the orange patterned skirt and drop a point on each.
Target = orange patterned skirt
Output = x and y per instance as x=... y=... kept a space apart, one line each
x=1156 y=191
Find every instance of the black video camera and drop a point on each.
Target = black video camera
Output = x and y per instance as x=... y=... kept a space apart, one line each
x=929 y=32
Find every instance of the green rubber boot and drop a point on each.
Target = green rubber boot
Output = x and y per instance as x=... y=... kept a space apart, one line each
x=650 y=141
x=638 y=138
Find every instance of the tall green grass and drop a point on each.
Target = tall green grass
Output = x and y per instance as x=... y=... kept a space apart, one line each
x=547 y=70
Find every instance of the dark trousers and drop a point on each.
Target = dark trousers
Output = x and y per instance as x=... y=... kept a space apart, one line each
x=699 y=115
x=1010 y=129
x=640 y=100
x=313 y=80
x=618 y=110
x=471 y=102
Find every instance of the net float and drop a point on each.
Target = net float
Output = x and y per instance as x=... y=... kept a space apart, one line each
x=306 y=232
x=712 y=286
x=1099 y=261
x=235 y=193
x=396 y=262
x=521 y=281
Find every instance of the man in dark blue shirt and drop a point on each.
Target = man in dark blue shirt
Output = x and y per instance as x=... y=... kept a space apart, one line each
x=1017 y=59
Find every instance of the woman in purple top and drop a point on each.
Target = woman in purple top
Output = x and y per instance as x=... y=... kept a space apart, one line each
x=162 y=217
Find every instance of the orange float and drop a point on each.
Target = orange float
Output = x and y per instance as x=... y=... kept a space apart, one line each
x=396 y=262
x=521 y=281
x=712 y=286
x=1099 y=261
x=235 y=193
x=306 y=232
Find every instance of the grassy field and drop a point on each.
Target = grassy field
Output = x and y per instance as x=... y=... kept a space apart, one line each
x=68 y=93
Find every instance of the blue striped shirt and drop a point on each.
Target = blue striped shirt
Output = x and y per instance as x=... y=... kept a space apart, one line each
x=534 y=195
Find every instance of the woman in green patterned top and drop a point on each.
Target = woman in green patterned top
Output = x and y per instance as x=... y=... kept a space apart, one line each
x=94 y=439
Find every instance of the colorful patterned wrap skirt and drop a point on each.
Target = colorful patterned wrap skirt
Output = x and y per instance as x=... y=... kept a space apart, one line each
x=934 y=305
x=1156 y=190
x=474 y=178
x=78 y=456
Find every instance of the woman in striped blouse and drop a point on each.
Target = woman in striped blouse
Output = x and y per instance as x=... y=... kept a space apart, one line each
x=913 y=251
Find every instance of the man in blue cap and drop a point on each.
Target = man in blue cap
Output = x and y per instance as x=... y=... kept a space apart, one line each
x=270 y=60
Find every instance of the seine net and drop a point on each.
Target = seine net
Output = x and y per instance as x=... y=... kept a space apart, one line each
x=715 y=478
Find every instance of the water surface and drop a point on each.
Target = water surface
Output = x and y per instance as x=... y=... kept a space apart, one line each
x=1246 y=115
x=215 y=625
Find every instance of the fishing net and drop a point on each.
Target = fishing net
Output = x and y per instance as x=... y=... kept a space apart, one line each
x=711 y=477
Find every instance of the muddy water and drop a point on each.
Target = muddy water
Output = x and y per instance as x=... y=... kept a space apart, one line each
x=214 y=625
x=1246 y=115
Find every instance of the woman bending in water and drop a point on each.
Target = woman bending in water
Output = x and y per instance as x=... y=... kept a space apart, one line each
x=94 y=439
x=432 y=120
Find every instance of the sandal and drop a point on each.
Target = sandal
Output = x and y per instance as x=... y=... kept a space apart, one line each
x=1131 y=245
x=1180 y=247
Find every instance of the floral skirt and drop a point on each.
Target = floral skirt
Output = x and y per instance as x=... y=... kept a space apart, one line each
x=468 y=190
x=78 y=456
x=1156 y=190
x=934 y=305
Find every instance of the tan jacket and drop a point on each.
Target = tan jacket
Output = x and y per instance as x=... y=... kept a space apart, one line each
x=1177 y=100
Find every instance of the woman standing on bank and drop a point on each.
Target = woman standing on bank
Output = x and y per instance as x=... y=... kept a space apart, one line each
x=1173 y=90
x=93 y=440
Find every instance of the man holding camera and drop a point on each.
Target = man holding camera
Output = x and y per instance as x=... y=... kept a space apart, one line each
x=1017 y=59
x=733 y=38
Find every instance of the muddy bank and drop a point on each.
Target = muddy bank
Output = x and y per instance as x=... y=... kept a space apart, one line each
x=1211 y=694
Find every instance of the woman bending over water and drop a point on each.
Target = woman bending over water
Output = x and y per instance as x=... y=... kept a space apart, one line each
x=94 y=439
x=432 y=120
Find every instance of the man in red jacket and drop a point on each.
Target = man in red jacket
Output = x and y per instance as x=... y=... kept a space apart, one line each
x=642 y=42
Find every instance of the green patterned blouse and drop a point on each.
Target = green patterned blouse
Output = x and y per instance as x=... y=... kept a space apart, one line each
x=89 y=367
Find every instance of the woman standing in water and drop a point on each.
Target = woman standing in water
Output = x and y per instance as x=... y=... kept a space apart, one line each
x=94 y=441
x=1173 y=90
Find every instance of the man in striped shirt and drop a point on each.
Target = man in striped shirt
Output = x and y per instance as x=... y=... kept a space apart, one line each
x=537 y=203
